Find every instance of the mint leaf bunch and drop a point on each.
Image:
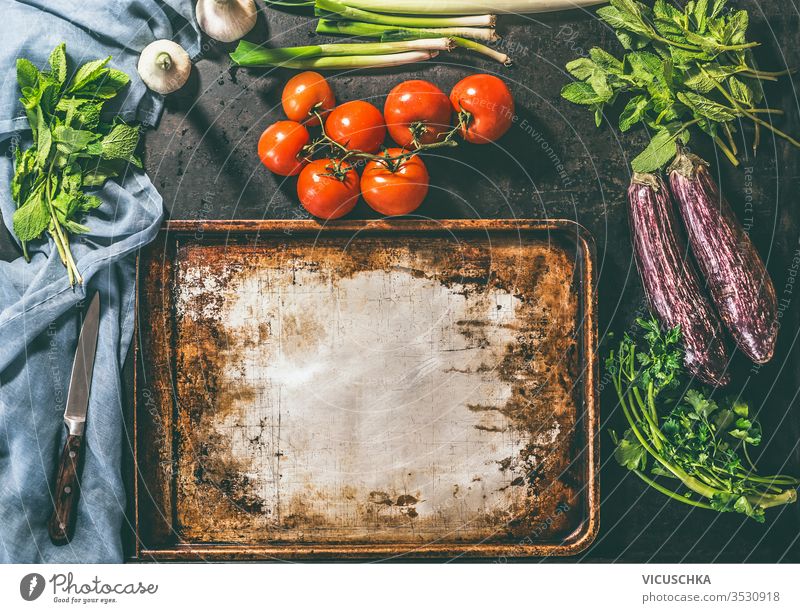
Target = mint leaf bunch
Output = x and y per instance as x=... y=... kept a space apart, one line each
x=685 y=66
x=73 y=149
x=680 y=440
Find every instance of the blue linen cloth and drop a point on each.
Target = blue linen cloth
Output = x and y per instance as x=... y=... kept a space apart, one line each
x=39 y=320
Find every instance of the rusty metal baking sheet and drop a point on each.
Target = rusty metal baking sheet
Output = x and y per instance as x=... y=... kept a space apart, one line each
x=366 y=389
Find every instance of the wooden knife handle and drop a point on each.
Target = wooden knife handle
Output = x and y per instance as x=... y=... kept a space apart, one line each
x=62 y=522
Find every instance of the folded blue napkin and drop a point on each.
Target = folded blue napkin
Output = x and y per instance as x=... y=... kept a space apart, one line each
x=39 y=320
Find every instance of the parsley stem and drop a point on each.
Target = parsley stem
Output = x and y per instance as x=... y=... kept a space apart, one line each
x=674 y=495
x=655 y=431
x=693 y=484
x=774 y=480
x=766 y=501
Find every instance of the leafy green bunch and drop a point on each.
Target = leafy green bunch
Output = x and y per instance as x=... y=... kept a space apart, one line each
x=689 y=66
x=684 y=436
x=73 y=149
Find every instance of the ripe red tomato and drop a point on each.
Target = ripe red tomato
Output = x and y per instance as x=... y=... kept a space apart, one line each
x=357 y=125
x=490 y=103
x=395 y=191
x=280 y=147
x=417 y=107
x=327 y=190
x=304 y=92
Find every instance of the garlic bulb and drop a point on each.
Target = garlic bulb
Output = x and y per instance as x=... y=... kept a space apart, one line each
x=226 y=20
x=164 y=66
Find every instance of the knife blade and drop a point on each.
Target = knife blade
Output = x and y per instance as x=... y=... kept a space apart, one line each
x=67 y=489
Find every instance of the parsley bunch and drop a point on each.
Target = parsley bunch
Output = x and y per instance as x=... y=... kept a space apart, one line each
x=72 y=149
x=683 y=435
x=688 y=66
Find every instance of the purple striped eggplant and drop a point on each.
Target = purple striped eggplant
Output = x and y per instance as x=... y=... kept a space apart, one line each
x=671 y=283
x=735 y=275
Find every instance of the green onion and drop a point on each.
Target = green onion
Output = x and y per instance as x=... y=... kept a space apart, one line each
x=386 y=34
x=345 y=62
x=340 y=56
x=467 y=7
x=373 y=30
x=332 y=8
x=466 y=43
x=250 y=54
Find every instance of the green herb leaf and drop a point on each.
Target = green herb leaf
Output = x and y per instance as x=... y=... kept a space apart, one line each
x=580 y=92
x=69 y=140
x=87 y=73
x=682 y=57
x=120 y=143
x=32 y=218
x=741 y=92
x=27 y=74
x=606 y=61
x=699 y=14
x=660 y=152
x=58 y=64
x=630 y=453
x=44 y=140
x=582 y=68
x=705 y=107
x=684 y=432
x=633 y=112
x=97 y=174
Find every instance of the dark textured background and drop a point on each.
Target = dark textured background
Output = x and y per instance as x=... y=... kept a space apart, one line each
x=202 y=159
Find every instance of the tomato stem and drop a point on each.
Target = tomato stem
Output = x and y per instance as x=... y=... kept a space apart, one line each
x=393 y=162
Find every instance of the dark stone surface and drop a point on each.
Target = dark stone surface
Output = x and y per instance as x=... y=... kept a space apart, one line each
x=202 y=158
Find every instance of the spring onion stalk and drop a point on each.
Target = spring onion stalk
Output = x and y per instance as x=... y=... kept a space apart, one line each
x=250 y=54
x=351 y=62
x=334 y=8
x=374 y=30
x=472 y=45
x=464 y=43
x=387 y=34
x=468 y=7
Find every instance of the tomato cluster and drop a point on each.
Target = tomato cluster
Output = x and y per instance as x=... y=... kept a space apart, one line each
x=417 y=116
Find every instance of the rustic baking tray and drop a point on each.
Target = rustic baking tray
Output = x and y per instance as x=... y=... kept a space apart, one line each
x=366 y=390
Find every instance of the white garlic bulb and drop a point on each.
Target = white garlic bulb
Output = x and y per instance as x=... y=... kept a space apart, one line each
x=226 y=20
x=164 y=66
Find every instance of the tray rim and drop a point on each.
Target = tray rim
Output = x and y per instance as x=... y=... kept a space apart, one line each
x=572 y=545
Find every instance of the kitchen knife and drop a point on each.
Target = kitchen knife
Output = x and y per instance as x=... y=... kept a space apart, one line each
x=67 y=491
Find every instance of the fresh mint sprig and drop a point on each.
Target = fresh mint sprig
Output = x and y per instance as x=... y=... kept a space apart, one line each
x=73 y=149
x=685 y=67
